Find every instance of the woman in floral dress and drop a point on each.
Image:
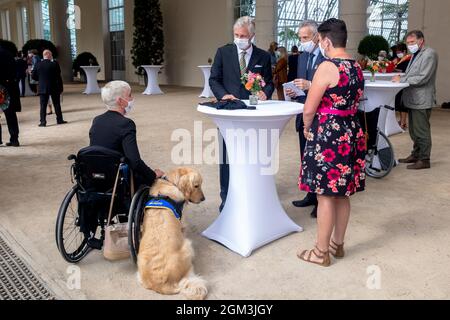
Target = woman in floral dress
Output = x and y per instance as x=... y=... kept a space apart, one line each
x=334 y=158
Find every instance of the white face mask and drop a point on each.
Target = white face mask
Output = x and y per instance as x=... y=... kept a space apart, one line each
x=400 y=55
x=129 y=107
x=242 y=44
x=308 y=46
x=322 y=50
x=414 y=48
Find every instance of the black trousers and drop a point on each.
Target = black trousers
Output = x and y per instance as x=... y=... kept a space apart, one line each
x=56 y=99
x=13 y=124
x=302 y=140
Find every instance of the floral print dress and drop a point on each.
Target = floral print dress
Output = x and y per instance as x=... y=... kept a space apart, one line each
x=334 y=158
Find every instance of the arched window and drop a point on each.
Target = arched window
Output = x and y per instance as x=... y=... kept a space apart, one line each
x=292 y=12
x=389 y=18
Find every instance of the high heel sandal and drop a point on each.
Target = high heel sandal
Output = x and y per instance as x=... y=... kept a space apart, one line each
x=338 y=249
x=325 y=256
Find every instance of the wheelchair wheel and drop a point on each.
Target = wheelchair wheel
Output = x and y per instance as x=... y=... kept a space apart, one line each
x=135 y=219
x=380 y=160
x=71 y=242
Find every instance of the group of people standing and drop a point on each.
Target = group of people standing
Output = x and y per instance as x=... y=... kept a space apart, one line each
x=44 y=78
x=332 y=142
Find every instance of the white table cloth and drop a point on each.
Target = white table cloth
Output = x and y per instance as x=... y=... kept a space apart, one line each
x=91 y=76
x=382 y=76
x=207 y=93
x=152 y=77
x=28 y=91
x=253 y=215
x=381 y=93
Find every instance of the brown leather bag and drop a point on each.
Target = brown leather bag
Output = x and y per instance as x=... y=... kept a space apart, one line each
x=115 y=246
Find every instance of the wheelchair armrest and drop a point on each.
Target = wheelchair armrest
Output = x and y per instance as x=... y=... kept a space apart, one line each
x=72 y=157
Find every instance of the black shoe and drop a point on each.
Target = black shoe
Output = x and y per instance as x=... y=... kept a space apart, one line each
x=42 y=125
x=95 y=243
x=314 y=213
x=307 y=202
x=61 y=122
x=13 y=144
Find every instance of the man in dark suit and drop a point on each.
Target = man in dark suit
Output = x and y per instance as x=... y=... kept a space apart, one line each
x=230 y=63
x=9 y=81
x=114 y=131
x=308 y=62
x=48 y=73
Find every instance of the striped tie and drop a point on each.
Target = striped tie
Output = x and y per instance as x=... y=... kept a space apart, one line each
x=243 y=63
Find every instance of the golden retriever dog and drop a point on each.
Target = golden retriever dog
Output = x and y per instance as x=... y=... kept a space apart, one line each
x=165 y=255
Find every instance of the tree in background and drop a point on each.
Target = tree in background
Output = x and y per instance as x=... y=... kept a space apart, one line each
x=371 y=45
x=148 y=37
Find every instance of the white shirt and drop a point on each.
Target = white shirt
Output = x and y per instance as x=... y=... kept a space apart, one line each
x=248 y=54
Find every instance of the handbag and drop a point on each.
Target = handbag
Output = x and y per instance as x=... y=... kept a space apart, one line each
x=115 y=246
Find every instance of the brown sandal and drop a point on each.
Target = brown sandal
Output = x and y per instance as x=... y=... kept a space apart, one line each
x=338 y=249
x=324 y=255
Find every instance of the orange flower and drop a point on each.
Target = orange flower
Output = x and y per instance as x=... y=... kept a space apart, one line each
x=249 y=85
x=375 y=68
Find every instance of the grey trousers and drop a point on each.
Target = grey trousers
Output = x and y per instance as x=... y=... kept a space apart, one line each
x=420 y=132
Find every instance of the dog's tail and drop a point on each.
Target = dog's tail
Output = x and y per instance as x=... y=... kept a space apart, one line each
x=193 y=287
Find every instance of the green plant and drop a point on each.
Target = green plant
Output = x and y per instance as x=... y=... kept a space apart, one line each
x=148 y=37
x=83 y=59
x=288 y=35
x=371 y=45
x=9 y=46
x=40 y=45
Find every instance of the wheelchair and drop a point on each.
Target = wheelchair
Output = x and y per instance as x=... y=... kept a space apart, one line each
x=83 y=214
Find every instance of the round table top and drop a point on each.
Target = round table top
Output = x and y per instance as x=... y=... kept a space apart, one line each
x=270 y=108
x=206 y=66
x=383 y=75
x=90 y=67
x=151 y=66
x=385 y=84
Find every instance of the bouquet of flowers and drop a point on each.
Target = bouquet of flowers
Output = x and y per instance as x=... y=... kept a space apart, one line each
x=384 y=66
x=253 y=82
x=4 y=98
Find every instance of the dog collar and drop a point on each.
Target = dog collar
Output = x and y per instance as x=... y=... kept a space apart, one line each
x=163 y=202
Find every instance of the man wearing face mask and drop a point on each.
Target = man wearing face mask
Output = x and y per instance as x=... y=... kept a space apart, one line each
x=308 y=63
x=419 y=98
x=230 y=63
x=114 y=131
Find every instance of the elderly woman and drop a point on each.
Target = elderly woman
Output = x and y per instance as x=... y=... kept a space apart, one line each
x=114 y=131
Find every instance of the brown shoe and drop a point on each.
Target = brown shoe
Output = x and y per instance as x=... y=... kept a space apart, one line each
x=410 y=159
x=420 y=165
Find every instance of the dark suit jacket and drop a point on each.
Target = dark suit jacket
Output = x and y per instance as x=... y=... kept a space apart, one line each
x=48 y=73
x=293 y=67
x=8 y=79
x=226 y=75
x=302 y=74
x=114 y=131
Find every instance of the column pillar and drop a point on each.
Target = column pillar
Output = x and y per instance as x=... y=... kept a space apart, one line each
x=354 y=13
x=61 y=37
x=266 y=20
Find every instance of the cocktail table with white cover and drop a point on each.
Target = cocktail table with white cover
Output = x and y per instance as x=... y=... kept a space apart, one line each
x=381 y=93
x=91 y=76
x=207 y=93
x=382 y=76
x=253 y=215
x=152 y=80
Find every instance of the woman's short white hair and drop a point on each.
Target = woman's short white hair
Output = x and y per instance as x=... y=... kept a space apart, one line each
x=247 y=22
x=113 y=90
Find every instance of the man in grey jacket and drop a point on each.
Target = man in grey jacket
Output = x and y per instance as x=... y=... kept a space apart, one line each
x=419 y=98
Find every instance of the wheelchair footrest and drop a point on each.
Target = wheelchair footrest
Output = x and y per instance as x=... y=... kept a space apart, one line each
x=95 y=243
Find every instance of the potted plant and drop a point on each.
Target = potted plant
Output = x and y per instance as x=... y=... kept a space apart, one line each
x=40 y=45
x=148 y=37
x=83 y=59
x=371 y=46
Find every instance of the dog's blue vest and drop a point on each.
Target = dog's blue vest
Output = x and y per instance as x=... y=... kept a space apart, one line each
x=166 y=203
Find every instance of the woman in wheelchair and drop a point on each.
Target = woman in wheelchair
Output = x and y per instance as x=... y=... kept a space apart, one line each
x=101 y=171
